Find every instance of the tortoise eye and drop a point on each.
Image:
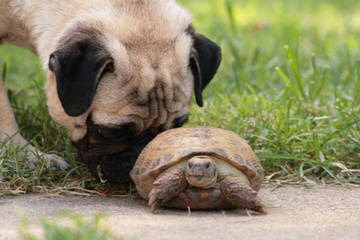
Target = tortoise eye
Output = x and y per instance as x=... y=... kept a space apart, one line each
x=190 y=165
x=207 y=165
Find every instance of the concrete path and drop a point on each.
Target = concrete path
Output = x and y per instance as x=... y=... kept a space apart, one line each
x=294 y=213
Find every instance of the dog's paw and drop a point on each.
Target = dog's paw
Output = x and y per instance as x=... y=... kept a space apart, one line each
x=57 y=160
x=50 y=160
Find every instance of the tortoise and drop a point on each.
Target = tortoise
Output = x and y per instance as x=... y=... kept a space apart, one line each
x=200 y=168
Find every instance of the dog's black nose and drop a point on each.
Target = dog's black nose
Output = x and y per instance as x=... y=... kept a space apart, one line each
x=117 y=134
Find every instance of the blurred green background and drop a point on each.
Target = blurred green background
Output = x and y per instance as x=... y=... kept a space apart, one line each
x=289 y=84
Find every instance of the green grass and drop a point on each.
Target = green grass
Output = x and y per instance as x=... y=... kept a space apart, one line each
x=74 y=227
x=289 y=84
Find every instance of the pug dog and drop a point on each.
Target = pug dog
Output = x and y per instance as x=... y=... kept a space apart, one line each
x=119 y=72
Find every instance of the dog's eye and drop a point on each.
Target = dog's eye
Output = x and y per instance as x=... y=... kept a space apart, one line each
x=178 y=122
x=194 y=56
x=110 y=67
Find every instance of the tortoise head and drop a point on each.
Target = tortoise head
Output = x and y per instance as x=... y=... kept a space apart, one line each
x=201 y=171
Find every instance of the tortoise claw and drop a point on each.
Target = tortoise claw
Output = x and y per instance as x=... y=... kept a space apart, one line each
x=260 y=208
x=153 y=202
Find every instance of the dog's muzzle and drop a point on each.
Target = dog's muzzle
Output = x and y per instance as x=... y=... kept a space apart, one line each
x=111 y=152
x=111 y=159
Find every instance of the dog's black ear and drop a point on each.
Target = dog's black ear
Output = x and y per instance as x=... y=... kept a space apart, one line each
x=204 y=62
x=78 y=66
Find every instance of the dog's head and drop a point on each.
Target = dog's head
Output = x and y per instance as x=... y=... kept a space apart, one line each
x=125 y=72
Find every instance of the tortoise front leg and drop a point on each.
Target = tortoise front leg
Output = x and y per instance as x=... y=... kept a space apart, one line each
x=240 y=194
x=167 y=186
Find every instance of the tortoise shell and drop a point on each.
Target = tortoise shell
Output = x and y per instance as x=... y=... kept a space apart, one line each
x=176 y=145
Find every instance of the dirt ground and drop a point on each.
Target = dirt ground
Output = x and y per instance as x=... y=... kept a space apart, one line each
x=320 y=212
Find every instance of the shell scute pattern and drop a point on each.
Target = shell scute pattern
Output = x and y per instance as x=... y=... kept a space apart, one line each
x=156 y=163
x=219 y=151
x=167 y=158
x=242 y=161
